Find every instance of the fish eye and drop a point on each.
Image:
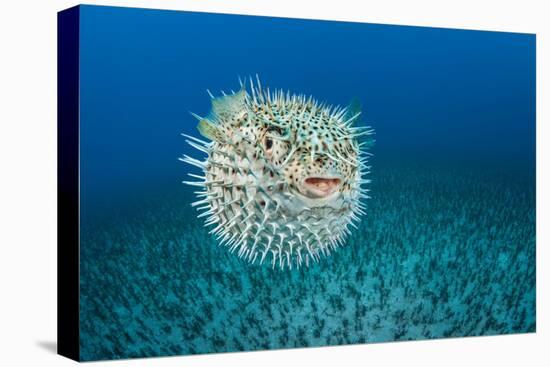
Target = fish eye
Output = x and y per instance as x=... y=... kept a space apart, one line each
x=268 y=143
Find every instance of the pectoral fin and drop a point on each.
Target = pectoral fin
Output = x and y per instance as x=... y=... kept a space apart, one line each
x=209 y=130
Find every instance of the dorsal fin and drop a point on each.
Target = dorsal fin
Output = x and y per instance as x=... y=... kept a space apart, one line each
x=224 y=108
x=228 y=105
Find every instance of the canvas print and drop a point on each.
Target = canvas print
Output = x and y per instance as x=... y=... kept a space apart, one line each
x=239 y=183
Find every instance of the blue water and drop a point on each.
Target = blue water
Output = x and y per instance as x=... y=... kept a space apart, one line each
x=448 y=244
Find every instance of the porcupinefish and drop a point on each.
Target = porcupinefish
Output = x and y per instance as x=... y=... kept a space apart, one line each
x=284 y=175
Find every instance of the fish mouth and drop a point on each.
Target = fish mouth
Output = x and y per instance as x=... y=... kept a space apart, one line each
x=320 y=187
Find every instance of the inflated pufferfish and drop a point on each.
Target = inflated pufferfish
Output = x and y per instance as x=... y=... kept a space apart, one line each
x=282 y=181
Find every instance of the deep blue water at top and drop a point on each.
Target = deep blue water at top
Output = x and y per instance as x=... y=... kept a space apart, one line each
x=451 y=95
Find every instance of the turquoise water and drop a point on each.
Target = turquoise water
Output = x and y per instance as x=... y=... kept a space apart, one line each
x=447 y=248
x=446 y=253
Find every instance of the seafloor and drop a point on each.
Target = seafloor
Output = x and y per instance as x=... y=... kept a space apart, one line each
x=443 y=252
